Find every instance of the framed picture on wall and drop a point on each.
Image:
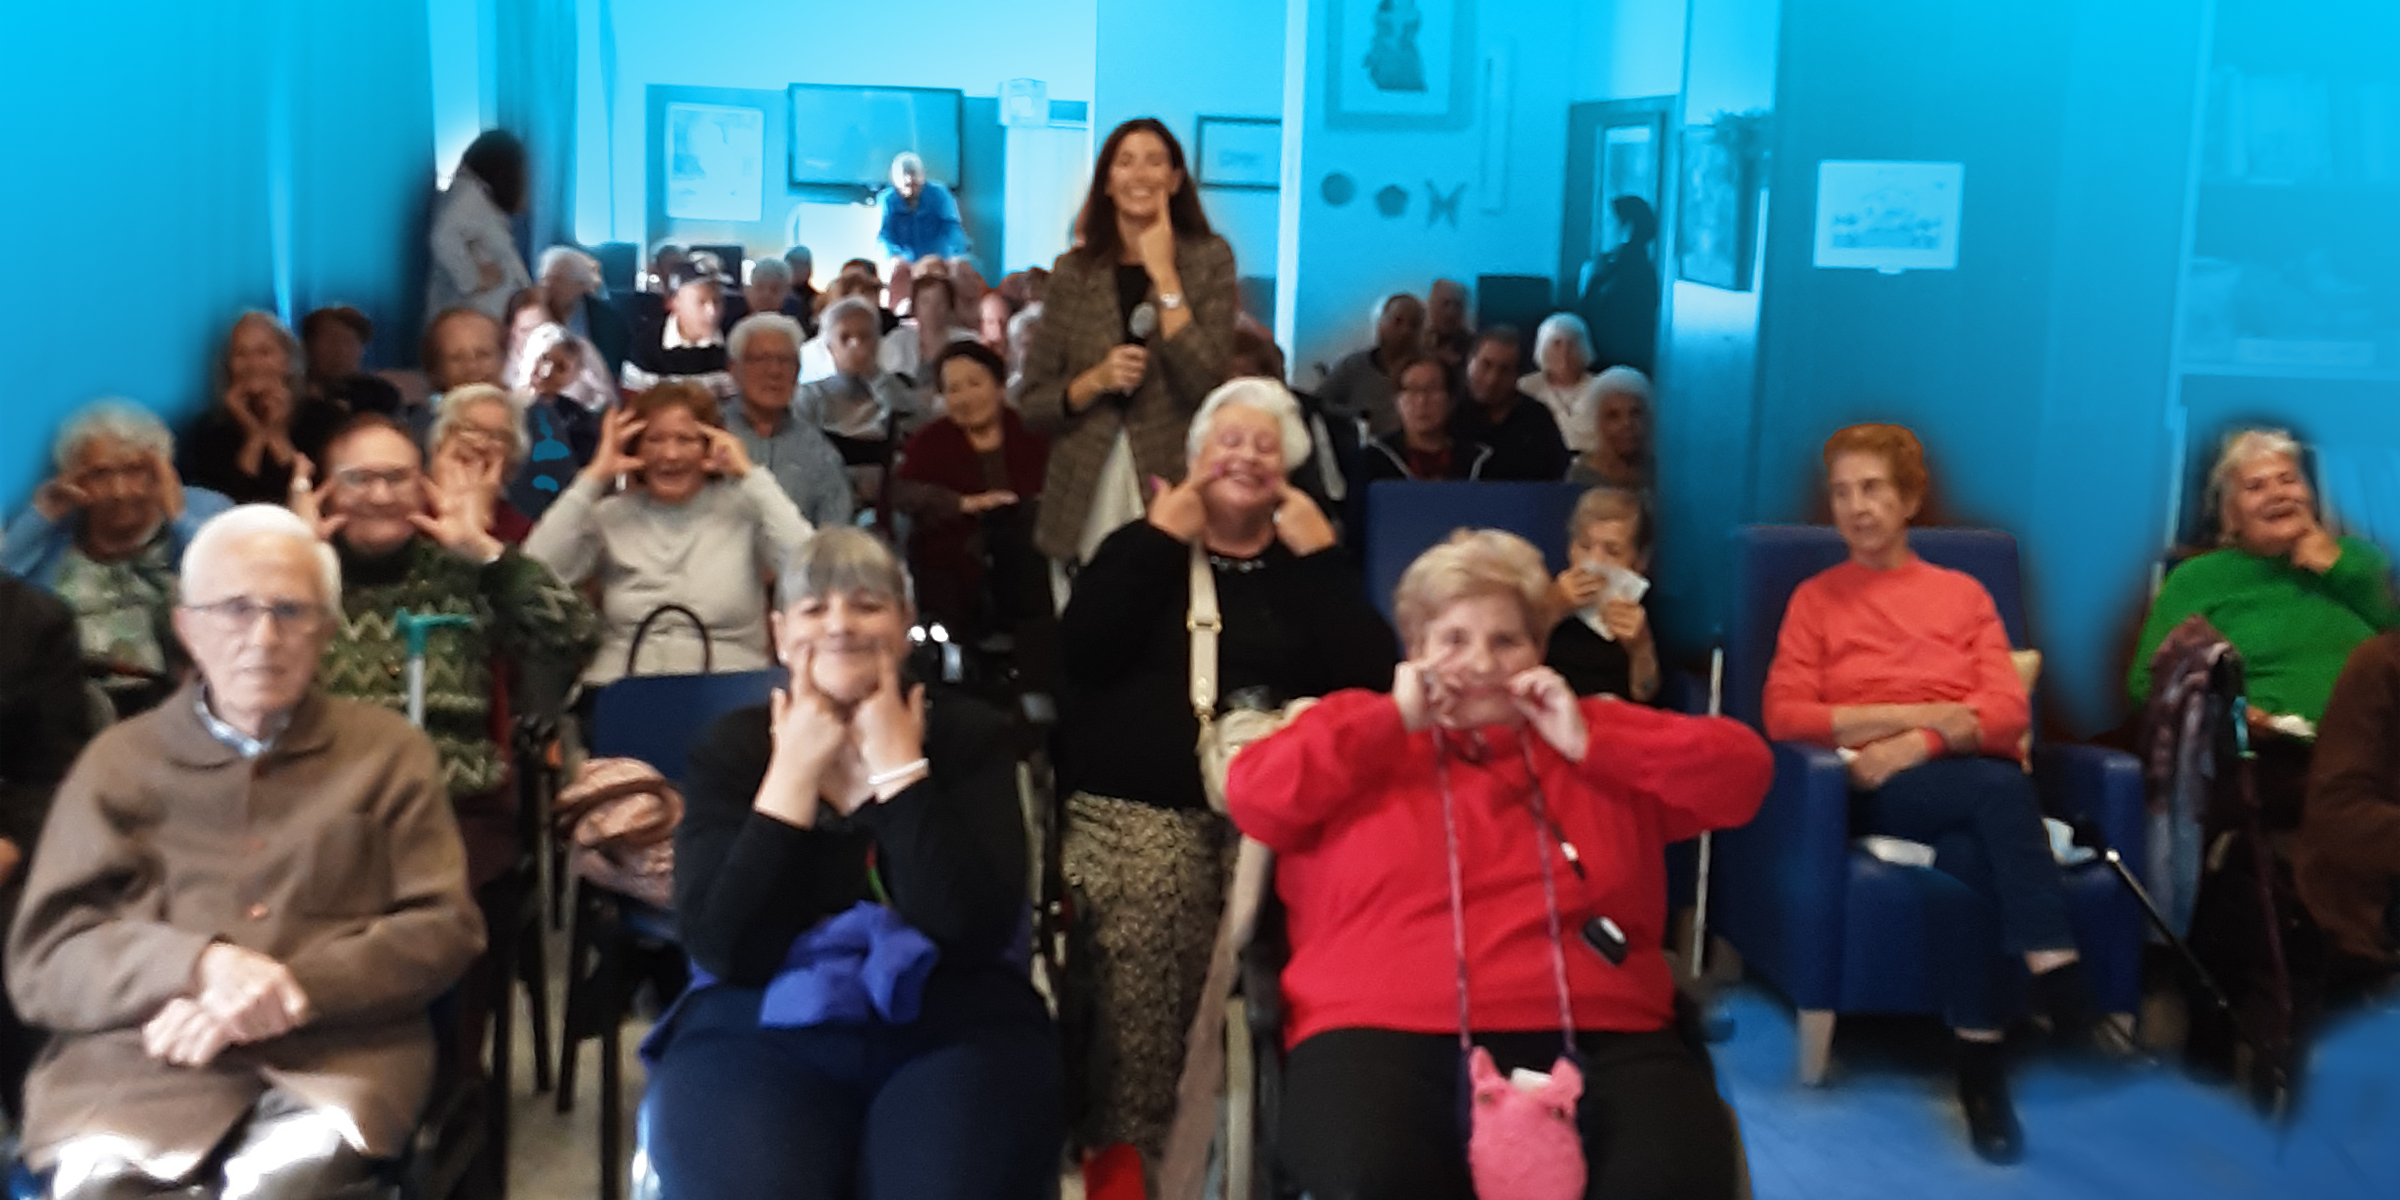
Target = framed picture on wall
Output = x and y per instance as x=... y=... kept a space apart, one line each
x=715 y=162
x=1716 y=210
x=1239 y=152
x=1889 y=216
x=1400 y=64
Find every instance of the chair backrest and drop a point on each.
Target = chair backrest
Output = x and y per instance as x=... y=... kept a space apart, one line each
x=619 y=263
x=656 y=718
x=1405 y=518
x=1770 y=561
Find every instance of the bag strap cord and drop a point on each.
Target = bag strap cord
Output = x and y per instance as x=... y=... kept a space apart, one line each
x=1204 y=623
x=1458 y=906
x=641 y=630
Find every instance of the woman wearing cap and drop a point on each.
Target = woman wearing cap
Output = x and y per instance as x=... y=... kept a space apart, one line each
x=1480 y=781
x=1141 y=845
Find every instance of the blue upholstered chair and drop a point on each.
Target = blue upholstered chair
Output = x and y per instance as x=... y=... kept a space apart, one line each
x=1405 y=518
x=1835 y=929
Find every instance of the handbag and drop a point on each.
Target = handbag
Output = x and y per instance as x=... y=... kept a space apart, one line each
x=1522 y=1141
x=1221 y=737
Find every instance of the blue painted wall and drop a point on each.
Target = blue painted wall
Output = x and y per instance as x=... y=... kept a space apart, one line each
x=174 y=166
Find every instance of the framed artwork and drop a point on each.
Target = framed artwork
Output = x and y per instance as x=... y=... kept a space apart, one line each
x=1239 y=152
x=715 y=159
x=1889 y=216
x=1625 y=162
x=1400 y=64
x=1716 y=210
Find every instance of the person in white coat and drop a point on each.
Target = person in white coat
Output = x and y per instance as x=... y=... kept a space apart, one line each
x=476 y=263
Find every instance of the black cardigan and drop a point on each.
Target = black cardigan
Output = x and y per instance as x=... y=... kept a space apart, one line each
x=1295 y=626
x=950 y=849
x=45 y=715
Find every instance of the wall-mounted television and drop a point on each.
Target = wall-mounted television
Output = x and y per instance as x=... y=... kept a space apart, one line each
x=847 y=136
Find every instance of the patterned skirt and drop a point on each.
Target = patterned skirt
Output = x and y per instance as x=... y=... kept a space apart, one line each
x=1149 y=884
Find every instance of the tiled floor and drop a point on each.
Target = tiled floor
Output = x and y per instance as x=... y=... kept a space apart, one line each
x=553 y=1155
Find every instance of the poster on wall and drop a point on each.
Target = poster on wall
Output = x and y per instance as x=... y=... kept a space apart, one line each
x=1889 y=216
x=1400 y=64
x=716 y=162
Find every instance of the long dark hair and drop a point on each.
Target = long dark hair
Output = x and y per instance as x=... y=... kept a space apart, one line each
x=1096 y=226
x=498 y=159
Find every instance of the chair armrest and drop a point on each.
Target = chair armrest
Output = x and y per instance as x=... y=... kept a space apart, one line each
x=1780 y=880
x=1683 y=692
x=2101 y=784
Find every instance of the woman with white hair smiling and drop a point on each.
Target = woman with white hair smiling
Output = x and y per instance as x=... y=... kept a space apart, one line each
x=2292 y=597
x=1562 y=379
x=1141 y=848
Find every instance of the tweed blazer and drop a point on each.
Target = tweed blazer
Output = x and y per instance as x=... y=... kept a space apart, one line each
x=334 y=852
x=1081 y=322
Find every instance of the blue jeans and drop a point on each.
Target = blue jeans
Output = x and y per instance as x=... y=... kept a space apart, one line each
x=930 y=1111
x=1985 y=826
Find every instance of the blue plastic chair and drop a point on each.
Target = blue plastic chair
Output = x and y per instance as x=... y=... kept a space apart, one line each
x=654 y=718
x=1405 y=518
x=1835 y=929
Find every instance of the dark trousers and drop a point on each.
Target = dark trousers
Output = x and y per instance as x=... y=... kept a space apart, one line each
x=1371 y=1114
x=877 y=1112
x=1985 y=826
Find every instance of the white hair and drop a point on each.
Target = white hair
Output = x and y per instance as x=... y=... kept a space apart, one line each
x=1565 y=325
x=845 y=308
x=581 y=267
x=907 y=162
x=763 y=322
x=538 y=341
x=1261 y=395
x=451 y=410
x=1624 y=380
x=765 y=270
x=111 y=420
x=244 y=522
x=2242 y=449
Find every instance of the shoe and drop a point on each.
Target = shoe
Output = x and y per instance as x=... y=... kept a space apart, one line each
x=2065 y=996
x=1992 y=1127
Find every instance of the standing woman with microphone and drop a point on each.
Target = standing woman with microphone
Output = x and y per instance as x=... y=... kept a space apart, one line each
x=1136 y=328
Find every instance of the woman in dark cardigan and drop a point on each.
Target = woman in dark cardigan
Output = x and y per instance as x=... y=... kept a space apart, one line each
x=850 y=882
x=1117 y=402
x=969 y=479
x=1140 y=846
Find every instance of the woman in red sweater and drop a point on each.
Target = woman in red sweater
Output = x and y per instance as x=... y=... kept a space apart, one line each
x=1905 y=667
x=1482 y=762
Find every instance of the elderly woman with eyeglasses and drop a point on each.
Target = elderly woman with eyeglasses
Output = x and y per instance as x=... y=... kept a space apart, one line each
x=1479 y=789
x=2291 y=596
x=1141 y=845
x=696 y=527
x=265 y=421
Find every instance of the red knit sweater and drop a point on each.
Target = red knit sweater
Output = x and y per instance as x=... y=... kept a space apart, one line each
x=1915 y=634
x=1349 y=801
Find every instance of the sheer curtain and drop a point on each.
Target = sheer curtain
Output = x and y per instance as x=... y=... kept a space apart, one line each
x=534 y=65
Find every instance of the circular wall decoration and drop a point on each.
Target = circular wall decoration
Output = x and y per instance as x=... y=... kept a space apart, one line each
x=1392 y=201
x=1338 y=189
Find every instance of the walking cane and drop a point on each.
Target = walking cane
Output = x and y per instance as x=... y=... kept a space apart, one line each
x=416 y=628
x=1716 y=708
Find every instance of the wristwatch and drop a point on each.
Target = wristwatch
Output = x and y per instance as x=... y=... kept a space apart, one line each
x=1170 y=300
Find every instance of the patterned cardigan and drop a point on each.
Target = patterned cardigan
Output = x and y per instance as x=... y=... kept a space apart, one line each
x=1081 y=322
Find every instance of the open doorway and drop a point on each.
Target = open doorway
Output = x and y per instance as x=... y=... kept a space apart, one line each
x=1619 y=162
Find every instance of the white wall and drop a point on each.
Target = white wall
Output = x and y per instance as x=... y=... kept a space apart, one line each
x=1628 y=49
x=773 y=43
x=1153 y=62
x=1340 y=258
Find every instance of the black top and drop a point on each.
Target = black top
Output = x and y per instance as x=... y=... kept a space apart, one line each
x=648 y=351
x=1133 y=287
x=1294 y=626
x=950 y=849
x=43 y=706
x=1526 y=446
x=363 y=393
x=1591 y=664
x=210 y=451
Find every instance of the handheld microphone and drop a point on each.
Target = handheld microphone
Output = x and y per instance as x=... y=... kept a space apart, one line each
x=1139 y=326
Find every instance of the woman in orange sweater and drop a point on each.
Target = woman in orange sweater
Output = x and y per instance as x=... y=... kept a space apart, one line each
x=1904 y=665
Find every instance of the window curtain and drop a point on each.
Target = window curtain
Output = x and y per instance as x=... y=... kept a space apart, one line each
x=535 y=69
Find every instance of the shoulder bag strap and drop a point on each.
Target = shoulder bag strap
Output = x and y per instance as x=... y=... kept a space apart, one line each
x=1458 y=908
x=1204 y=623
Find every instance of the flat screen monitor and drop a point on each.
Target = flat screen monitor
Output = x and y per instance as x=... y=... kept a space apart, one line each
x=848 y=136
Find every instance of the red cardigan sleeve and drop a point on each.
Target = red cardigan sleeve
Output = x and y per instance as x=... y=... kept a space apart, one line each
x=1282 y=788
x=1702 y=773
x=1793 y=706
x=2001 y=708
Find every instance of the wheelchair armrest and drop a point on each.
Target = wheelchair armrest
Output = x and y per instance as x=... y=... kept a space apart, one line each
x=2100 y=784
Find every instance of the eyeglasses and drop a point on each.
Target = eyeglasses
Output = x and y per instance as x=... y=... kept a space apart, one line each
x=240 y=614
x=771 y=360
x=360 y=479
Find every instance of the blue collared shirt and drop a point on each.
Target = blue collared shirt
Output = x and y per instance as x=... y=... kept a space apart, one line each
x=241 y=743
x=931 y=227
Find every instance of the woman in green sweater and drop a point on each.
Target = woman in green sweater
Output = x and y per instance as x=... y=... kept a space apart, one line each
x=2294 y=599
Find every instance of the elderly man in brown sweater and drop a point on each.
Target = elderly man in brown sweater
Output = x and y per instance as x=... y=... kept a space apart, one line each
x=2348 y=854
x=242 y=904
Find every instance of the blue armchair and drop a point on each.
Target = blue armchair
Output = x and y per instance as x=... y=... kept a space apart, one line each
x=1835 y=929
